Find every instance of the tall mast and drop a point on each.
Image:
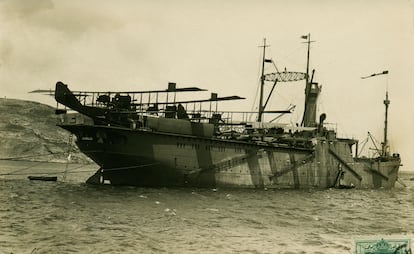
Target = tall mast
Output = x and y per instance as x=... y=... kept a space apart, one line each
x=385 y=143
x=307 y=87
x=311 y=92
x=387 y=102
x=262 y=81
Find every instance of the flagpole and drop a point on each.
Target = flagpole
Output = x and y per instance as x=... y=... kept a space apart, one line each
x=307 y=62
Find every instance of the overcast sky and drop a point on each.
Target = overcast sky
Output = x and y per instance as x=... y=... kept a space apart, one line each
x=142 y=45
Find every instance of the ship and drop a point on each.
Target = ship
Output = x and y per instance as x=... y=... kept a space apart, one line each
x=151 y=139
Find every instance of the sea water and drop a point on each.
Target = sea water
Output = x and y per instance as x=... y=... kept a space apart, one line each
x=69 y=216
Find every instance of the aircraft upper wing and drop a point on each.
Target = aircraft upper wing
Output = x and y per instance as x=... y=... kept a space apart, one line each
x=227 y=98
x=85 y=93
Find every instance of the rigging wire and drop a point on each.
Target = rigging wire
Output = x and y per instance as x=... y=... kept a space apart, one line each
x=69 y=150
x=254 y=106
x=23 y=169
x=54 y=172
x=37 y=163
x=30 y=156
x=375 y=142
x=287 y=57
x=363 y=146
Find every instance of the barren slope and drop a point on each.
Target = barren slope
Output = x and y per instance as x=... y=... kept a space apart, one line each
x=28 y=129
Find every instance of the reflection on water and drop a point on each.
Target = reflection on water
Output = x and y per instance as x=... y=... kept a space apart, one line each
x=70 y=216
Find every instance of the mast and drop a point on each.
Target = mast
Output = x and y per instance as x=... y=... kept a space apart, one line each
x=384 y=144
x=312 y=90
x=262 y=81
x=275 y=77
x=307 y=85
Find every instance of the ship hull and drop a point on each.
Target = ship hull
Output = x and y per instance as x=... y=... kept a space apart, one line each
x=153 y=159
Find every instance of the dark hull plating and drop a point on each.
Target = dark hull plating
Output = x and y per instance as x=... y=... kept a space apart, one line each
x=147 y=158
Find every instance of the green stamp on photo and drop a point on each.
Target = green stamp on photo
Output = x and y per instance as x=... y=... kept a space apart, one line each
x=383 y=246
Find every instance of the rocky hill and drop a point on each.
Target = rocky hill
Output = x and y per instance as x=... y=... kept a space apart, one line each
x=28 y=131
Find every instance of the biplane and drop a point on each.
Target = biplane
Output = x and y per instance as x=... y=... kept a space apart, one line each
x=122 y=108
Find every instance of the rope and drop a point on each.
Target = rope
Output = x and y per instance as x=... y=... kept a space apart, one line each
x=37 y=163
x=48 y=173
x=30 y=156
x=22 y=169
x=25 y=157
x=69 y=155
x=363 y=143
x=129 y=167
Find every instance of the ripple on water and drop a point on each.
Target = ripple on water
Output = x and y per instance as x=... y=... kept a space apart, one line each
x=74 y=217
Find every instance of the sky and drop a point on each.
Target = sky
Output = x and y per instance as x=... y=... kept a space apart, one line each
x=143 y=45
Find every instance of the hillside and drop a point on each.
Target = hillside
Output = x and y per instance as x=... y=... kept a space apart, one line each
x=28 y=130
